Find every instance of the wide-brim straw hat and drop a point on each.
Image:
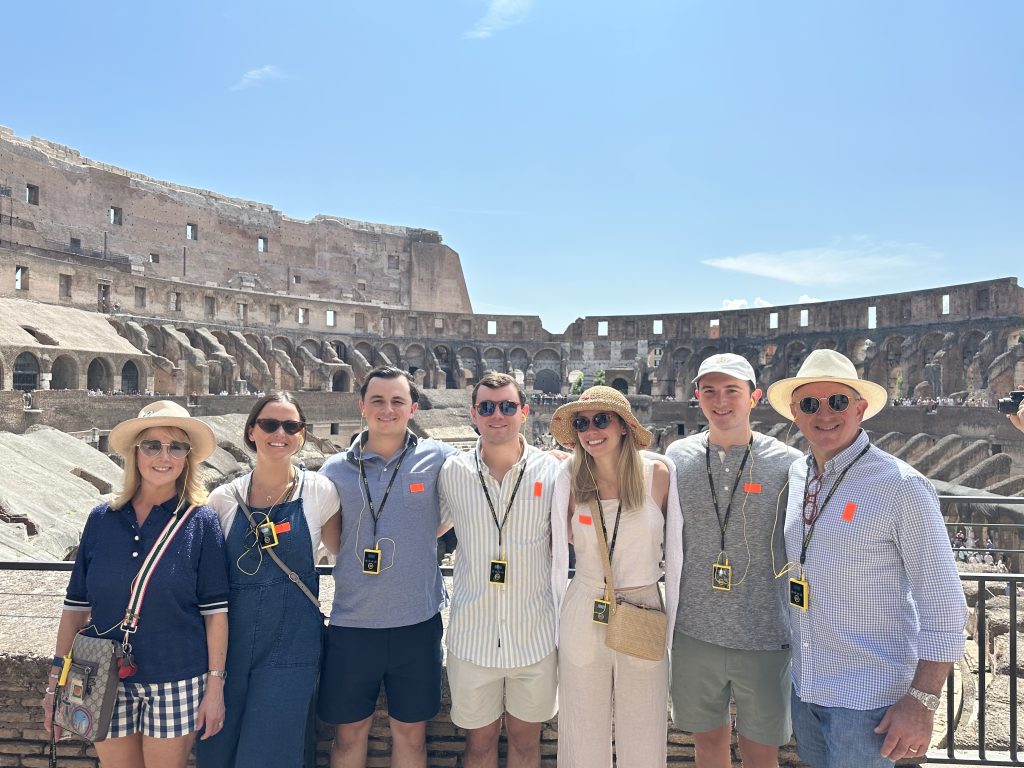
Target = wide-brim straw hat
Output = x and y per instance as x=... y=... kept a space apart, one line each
x=827 y=365
x=598 y=398
x=163 y=413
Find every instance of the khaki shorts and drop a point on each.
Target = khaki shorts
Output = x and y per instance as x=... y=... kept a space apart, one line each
x=481 y=694
x=706 y=676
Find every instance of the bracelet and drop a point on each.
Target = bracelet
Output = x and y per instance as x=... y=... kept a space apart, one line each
x=58 y=661
x=54 y=677
x=49 y=692
x=222 y=674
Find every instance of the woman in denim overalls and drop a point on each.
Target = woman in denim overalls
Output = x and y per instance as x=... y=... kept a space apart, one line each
x=274 y=638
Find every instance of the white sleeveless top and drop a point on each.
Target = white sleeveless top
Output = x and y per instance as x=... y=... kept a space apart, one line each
x=638 y=553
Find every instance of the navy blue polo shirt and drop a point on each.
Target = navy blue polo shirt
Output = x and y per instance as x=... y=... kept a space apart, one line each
x=189 y=582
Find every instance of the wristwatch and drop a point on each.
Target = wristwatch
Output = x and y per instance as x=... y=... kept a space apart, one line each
x=223 y=675
x=929 y=700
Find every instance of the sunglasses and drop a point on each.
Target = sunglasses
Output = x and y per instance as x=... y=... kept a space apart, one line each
x=837 y=403
x=488 y=407
x=270 y=426
x=175 y=449
x=600 y=421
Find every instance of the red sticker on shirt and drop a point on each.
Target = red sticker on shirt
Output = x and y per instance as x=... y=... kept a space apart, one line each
x=849 y=511
x=586 y=520
x=416 y=488
x=752 y=487
x=283 y=527
x=538 y=488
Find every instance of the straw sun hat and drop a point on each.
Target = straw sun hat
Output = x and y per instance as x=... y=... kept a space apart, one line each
x=163 y=413
x=600 y=398
x=826 y=365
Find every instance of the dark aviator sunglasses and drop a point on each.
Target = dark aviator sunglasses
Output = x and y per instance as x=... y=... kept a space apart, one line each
x=270 y=426
x=600 y=421
x=836 y=402
x=487 y=407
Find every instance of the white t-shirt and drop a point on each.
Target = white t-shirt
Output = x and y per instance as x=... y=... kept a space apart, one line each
x=320 y=502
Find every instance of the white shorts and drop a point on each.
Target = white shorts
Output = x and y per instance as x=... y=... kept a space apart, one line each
x=481 y=694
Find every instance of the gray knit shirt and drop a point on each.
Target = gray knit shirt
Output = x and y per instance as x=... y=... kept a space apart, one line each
x=754 y=615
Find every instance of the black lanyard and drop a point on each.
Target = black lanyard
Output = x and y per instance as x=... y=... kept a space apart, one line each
x=723 y=524
x=494 y=515
x=387 y=491
x=615 y=531
x=809 y=525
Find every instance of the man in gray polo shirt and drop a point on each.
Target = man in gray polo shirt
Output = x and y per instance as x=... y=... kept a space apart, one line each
x=732 y=628
x=385 y=620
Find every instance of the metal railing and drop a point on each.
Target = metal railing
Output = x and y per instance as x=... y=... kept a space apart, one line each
x=959 y=709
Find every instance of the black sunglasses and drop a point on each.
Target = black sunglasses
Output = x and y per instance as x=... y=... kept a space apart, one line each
x=175 y=449
x=600 y=421
x=836 y=402
x=270 y=426
x=487 y=407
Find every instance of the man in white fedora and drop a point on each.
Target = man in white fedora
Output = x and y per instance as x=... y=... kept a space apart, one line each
x=732 y=639
x=876 y=604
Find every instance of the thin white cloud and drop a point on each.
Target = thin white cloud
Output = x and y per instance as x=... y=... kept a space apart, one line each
x=856 y=259
x=744 y=304
x=501 y=14
x=805 y=299
x=256 y=77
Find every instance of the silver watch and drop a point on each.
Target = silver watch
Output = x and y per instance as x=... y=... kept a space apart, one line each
x=929 y=700
x=223 y=675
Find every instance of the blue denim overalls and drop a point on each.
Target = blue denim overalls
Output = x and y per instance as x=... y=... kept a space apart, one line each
x=273 y=648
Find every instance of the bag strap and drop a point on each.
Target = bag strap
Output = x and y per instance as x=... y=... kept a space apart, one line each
x=609 y=586
x=292 y=575
x=130 y=622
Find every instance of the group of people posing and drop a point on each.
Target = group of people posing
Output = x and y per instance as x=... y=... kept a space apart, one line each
x=814 y=592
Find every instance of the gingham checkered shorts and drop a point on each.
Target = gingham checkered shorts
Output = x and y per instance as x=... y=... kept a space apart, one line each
x=159 y=710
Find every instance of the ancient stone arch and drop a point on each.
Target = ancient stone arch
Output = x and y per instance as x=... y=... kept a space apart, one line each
x=26 y=371
x=130 y=379
x=100 y=375
x=620 y=384
x=340 y=349
x=415 y=358
x=341 y=382
x=366 y=350
x=547 y=381
x=519 y=359
x=493 y=360
x=793 y=358
x=64 y=373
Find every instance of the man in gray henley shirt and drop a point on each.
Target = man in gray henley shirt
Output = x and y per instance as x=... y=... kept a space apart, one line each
x=732 y=628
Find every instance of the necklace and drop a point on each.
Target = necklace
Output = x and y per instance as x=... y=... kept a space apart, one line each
x=288 y=488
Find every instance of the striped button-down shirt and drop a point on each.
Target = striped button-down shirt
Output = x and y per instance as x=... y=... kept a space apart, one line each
x=884 y=591
x=513 y=624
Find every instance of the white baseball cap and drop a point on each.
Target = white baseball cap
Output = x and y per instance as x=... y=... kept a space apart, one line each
x=736 y=366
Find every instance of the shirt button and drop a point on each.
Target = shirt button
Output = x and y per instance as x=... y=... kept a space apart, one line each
x=136 y=538
x=135 y=554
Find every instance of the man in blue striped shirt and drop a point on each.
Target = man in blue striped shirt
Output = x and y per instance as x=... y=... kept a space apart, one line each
x=875 y=600
x=501 y=635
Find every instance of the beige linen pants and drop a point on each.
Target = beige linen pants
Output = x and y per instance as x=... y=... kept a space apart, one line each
x=597 y=686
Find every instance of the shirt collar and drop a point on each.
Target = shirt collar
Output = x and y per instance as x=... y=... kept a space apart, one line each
x=842 y=459
x=356 y=452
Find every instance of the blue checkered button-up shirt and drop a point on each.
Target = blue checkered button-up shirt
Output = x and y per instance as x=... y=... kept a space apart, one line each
x=884 y=591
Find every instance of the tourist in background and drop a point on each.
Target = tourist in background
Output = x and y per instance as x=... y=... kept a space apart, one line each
x=633 y=497
x=273 y=663
x=877 y=608
x=732 y=634
x=183 y=629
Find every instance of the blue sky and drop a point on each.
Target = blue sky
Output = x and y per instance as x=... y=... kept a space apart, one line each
x=584 y=157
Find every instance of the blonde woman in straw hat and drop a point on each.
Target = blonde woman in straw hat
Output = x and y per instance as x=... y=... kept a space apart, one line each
x=610 y=483
x=182 y=629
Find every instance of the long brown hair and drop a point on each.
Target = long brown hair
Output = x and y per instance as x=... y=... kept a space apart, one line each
x=632 y=485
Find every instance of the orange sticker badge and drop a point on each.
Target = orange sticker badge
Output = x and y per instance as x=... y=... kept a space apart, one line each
x=416 y=488
x=283 y=527
x=849 y=511
x=586 y=520
x=751 y=487
x=538 y=489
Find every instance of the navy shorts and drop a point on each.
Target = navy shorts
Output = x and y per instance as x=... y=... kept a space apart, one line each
x=356 y=661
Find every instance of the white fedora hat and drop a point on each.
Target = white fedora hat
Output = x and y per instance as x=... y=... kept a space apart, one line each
x=827 y=365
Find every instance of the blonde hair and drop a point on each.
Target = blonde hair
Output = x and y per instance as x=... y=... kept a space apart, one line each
x=189 y=484
x=632 y=485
